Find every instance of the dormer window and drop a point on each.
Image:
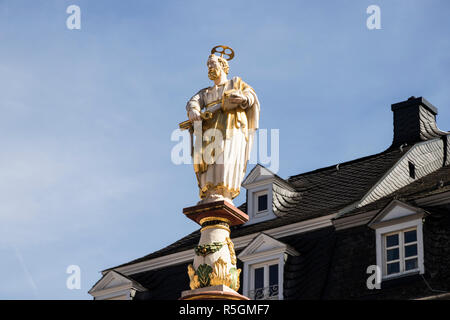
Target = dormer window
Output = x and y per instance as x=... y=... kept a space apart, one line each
x=259 y=185
x=264 y=259
x=266 y=193
x=399 y=239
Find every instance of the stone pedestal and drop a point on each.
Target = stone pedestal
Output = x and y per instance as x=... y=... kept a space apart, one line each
x=221 y=209
x=213 y=274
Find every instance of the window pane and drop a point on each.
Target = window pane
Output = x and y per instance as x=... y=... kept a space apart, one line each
x=273 y=275
x=273 y=280
x=393 y=254
x=411 y=236
x=411 y=264
x=259 y=278
x=262 y=202
x=393 y=268
x=411 y=250
x=392 y=240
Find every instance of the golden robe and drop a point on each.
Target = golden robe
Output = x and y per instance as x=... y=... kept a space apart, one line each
x=225 y=174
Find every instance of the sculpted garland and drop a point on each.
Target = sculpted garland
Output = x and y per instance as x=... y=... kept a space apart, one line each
x=218 y=274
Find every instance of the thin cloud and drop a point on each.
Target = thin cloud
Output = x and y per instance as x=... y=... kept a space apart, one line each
x=25 y=270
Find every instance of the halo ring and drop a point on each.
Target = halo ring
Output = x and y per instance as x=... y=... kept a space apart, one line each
x=223 y=52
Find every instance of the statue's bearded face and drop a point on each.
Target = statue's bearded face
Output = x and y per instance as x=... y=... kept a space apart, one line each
x=214 y=73
x=214 y=68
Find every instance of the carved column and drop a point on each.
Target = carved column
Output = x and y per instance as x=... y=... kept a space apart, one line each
x=214 y=274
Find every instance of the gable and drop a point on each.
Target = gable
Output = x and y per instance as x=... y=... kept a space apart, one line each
x=398 y=211
x=258 y=174
x=395 y=212
x=116 y=282
x=113 y=281
x=263 y=244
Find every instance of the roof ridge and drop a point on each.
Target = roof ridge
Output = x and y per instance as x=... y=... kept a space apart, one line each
x=389 y=150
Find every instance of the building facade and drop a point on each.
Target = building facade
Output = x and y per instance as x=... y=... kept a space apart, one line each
x=377 y=227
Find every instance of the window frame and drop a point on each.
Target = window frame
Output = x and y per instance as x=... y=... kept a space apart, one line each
x=256 y=196
x=402 y=256
x=381 y=234
x=252 y=203
x=266 y=280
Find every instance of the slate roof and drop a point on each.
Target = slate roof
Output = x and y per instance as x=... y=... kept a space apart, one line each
x=434 y=183
x=306 y=275
x=332 y=265
x=333 y=188
x=345 y=275
x=323 y=192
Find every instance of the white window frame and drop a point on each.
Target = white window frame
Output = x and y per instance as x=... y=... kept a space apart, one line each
x=252 y=209
x=266 y=266
x=256 y=196
x=250 y=266
x=401 y=248
x=381 y=234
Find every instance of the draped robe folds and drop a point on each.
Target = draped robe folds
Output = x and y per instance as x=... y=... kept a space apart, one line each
x=223 y=175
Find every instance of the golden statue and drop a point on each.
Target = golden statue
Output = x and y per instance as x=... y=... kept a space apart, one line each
x=223 y=119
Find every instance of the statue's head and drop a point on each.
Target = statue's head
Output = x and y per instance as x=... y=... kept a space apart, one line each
x=216 y=65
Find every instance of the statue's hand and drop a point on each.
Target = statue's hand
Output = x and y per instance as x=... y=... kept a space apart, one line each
x=194 y=115
x=237 y=98
x=234 y=99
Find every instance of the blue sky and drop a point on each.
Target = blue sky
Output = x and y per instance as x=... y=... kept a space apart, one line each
x=86 y=115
